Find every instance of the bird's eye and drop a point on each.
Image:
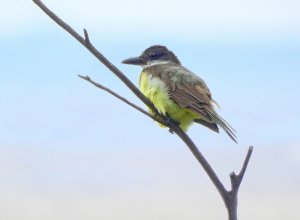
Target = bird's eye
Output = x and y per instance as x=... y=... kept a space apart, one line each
x=153 y=55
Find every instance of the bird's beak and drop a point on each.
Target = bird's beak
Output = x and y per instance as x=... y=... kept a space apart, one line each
x=135 y=61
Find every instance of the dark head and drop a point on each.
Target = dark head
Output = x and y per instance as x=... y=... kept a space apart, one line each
x=153 y=54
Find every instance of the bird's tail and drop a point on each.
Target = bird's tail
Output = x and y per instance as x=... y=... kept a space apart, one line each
x=222 y=123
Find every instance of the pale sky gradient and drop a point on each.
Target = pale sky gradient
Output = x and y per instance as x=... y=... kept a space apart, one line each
x=215 y=15
x=70 y=151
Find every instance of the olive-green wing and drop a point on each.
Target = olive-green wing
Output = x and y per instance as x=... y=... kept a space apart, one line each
x=190 y=91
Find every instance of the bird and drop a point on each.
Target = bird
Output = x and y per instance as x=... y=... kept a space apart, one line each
x=177 y=92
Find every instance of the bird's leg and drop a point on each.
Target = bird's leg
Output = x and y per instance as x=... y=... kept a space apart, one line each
x=169 y=120
x=171 y=131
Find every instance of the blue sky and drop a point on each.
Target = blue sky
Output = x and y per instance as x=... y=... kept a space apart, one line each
x=254 y=79
x=60 y=134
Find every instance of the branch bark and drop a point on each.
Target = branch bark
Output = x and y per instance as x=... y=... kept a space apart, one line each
x=229 y=197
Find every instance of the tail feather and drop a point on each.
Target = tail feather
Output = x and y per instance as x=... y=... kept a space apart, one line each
x=211 y=126
x=223 y=124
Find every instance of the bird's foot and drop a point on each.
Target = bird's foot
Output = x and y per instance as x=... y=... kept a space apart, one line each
x=169 y=120
x=171 y=131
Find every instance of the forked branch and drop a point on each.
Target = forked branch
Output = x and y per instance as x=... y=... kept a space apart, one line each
x=229 y=197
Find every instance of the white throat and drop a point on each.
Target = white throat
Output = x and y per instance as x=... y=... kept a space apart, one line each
x=155 y=62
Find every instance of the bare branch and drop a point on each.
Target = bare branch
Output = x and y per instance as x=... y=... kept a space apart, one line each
x=245 y=164
x=97 y=54
x=237 y=179
x=229 y=197
x=100 y=86
x=235 y=185
x=204 y=163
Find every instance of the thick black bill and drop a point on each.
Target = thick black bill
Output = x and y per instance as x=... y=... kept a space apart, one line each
x=134 y=61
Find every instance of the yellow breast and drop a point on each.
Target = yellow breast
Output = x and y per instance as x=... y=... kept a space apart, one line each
x=156 y=90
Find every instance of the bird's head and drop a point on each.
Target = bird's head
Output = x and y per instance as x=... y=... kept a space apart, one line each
x=153 y=55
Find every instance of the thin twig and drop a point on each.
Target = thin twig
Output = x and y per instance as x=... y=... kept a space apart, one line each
x=237 y=179
x=100 y=86
x=245 y=164
x=204 y=163
x=86 y=37
x=235 y=185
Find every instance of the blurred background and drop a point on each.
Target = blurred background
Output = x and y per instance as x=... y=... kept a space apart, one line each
x=71 y=151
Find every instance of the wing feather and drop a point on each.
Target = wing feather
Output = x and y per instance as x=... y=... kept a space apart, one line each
x=190 y=91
